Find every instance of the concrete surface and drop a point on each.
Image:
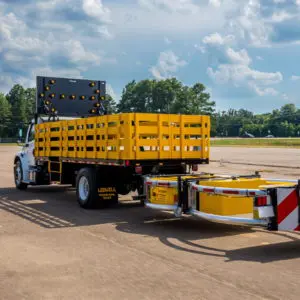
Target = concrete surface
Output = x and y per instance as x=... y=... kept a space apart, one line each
x=52 y=249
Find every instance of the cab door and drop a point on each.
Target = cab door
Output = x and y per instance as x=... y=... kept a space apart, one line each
x=29 y=146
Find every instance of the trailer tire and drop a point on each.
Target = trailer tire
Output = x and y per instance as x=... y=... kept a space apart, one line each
x=86 y=188
x=18 y=176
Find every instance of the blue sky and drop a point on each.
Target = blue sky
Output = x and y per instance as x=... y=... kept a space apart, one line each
x=246 y=52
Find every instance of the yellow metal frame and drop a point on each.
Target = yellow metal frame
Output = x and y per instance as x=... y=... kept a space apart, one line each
x=128 y=136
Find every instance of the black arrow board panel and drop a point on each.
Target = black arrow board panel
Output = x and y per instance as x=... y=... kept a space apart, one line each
x=69 y=97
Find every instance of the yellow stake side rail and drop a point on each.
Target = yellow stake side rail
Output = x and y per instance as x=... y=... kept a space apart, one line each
x=126 y=136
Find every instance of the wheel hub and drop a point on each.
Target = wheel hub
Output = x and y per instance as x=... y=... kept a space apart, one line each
x=84 y=188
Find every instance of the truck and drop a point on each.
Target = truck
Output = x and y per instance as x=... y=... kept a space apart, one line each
x=73 y=141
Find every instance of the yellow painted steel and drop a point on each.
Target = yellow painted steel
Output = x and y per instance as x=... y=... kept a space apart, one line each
x=128 y=136
x=225 y=205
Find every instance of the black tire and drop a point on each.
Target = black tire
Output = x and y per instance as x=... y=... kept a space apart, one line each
x=87 y=176
x=18 y=177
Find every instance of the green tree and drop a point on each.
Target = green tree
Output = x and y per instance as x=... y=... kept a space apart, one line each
x=165 y=96
x=5 y=116
x=128 y=98
x=30 y=100
x=111 y=105
x=19 y=108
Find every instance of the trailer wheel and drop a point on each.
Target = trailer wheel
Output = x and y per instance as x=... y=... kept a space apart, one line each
x=18 y=176
x=86 y=190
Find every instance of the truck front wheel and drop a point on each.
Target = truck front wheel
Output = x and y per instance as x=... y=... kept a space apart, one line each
x=86 y=188
x=18 y=175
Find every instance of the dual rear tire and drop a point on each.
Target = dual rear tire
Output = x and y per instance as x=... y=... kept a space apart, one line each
x=87 y=183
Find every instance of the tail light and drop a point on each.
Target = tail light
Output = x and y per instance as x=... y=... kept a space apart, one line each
x=194 y=168
x=175 y=199
x=138 y=170
x=262 y=201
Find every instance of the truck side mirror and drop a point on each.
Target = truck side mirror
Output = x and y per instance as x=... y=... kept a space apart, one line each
x=20 y=133
x=19 y=141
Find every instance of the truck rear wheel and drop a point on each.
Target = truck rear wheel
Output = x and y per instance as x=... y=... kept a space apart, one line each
x=93 y=191
x=86 y=188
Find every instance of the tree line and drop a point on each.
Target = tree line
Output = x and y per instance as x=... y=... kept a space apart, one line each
x=17 y=108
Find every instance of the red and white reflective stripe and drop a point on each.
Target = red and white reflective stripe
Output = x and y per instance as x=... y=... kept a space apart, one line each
x=287 y=209
x=228 y=191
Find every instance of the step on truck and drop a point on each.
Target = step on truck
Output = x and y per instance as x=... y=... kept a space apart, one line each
x=73 y=141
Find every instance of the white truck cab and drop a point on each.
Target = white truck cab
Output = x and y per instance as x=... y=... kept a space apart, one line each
x=24 y=159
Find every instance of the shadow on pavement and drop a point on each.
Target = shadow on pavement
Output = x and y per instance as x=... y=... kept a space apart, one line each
x=56 y=207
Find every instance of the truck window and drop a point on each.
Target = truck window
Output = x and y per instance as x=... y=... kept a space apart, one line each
x=31 y=134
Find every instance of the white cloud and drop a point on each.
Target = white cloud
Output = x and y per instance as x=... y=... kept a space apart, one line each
x=238 y=57
x=241 y=75
x=238 y=74
x=295 y=78
x=24 y=52
x=235 y=68
x=167 y=41
x=281 y=16
x=259 y=57
x=95 y=9
x=264 y=91
x=215 y=3
x=200 y=48
x=170 y=5
x=249 y=25
x=285 y=97
x=104 y=32
x=168 y=63
x=217 y=39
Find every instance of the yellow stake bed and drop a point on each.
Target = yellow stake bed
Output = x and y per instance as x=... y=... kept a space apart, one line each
x=126 y=136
